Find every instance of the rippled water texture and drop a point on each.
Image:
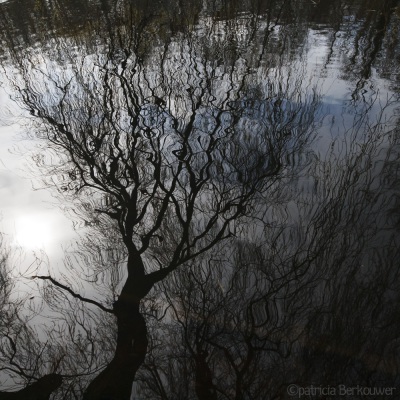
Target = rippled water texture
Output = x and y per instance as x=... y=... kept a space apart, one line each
x=200 y=199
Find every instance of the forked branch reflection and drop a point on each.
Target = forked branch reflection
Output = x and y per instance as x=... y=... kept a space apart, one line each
x=227 y=253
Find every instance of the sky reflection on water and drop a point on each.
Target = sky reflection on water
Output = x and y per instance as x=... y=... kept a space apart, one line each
x=231 y=173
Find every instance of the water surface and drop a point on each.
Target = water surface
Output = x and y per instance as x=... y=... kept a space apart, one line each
x=224 y=191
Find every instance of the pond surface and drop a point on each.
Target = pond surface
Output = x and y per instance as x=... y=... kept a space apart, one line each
x=219 y=207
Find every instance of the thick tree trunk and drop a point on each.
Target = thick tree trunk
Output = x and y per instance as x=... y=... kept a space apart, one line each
x=115 y=381
x=205 y=389
x=40 y=390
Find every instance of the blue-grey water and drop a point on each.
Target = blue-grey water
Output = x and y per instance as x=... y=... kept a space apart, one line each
x=199 y=200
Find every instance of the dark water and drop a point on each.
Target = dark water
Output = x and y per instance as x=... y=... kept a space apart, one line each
x=231 y=170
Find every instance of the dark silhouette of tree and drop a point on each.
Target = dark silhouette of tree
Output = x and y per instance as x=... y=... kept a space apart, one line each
x=19 y=353
x=172 y=150
x=168 y=161
x=311 y=299
x=40 y=390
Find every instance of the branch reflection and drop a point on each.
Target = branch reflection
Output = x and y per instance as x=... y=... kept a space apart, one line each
x=224 y=252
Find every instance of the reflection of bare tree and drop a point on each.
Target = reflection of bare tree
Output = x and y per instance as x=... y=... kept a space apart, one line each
x=366 y=35
x=21 y=354
x=231 y=321
x=351 y=336
x=312 y=300
x=208 y=216
x=39 y=390
x=169 y=155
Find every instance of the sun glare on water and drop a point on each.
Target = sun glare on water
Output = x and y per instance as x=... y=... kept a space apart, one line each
x=33 y=232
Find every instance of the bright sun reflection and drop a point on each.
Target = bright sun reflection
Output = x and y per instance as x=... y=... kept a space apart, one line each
x=32 y=232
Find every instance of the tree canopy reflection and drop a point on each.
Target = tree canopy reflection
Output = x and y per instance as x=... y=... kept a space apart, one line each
x=224 y=257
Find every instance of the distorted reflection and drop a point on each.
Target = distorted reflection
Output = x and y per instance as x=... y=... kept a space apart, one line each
x=231 y=171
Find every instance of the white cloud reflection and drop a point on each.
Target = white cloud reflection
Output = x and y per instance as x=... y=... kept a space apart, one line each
x=33 y=231
x=29 y=219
